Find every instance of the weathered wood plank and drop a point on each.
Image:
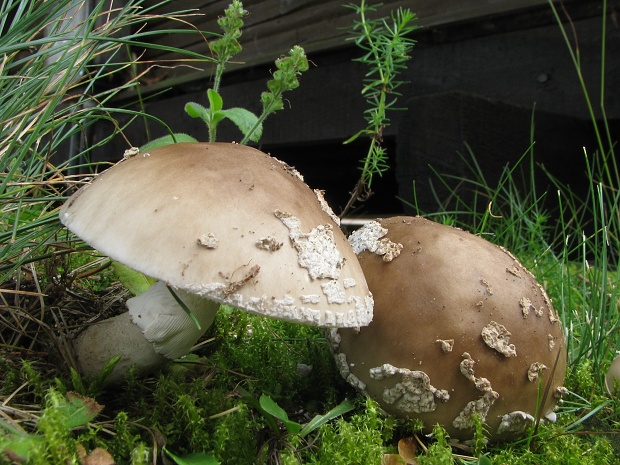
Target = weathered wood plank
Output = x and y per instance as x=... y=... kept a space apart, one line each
x=274 y=26
x=325 y=25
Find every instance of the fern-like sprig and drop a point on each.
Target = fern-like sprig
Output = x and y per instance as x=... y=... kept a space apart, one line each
x=387 y=44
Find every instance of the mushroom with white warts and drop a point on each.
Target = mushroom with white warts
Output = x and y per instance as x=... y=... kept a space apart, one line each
x=450 y=337
x=214 y=223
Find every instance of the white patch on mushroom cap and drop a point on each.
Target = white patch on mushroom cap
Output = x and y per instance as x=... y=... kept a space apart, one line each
x=488 y=287
x=208 y=241
x=535 y=370
x=310 y=299
x=479 y=407
x=414 y=393
x=368 y=237
x=515 y=422
x=316 y=250
x=467 y=367
x=497 y=337
x=515 y=271
x=334 y=292
x=325 y=206
x=130 y=152
x=525 y=305
x=343 y=368
x=553 y=317
x=447 y=345
x=269 y=243
x=289 y=169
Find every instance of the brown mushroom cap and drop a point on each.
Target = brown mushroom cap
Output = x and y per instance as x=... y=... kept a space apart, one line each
x=459 y=327
x=228 y=223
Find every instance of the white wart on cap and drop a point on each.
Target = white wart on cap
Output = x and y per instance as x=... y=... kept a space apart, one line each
x=228 y=223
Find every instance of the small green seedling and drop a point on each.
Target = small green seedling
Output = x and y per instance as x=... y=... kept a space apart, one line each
x=224 y=49
x=271 y=411
x=386 y=45
x=195 y=458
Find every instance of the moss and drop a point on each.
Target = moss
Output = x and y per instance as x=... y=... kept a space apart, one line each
x=359 y=439
x=234 y=438
x=126 y=441
x=439 y=452
x=11 y=378
x=194 y=406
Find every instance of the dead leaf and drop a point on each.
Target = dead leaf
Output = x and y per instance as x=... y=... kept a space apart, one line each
x=98 y=456
x=407 y=450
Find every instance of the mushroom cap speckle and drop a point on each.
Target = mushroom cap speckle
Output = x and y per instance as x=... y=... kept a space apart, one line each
x=460 y=327
x=228 y=223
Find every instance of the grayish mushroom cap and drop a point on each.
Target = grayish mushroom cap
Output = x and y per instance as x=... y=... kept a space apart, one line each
x=228 y=223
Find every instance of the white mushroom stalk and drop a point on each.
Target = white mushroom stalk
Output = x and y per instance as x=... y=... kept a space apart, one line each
x=154 y=330
x=217 y=222
x=612 y=378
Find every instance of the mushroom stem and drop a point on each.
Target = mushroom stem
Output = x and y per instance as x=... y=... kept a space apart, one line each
x=154 y=330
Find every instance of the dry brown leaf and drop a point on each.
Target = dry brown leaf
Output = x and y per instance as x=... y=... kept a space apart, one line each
x=407 y=450
x=98 y=456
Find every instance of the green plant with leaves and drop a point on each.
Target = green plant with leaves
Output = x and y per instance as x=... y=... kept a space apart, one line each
x=386 y=45
x=224 y=49
x=288 y=443
x=227 y=46
x=195 y=458
x=273 y=414
x=285 y=78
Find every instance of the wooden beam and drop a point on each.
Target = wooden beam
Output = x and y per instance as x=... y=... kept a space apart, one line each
x=274 y=26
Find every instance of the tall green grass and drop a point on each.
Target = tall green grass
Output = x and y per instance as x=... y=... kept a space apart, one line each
x=59 y=76
x=570 y=241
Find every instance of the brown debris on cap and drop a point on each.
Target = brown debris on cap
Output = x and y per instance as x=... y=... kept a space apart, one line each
x=228 y=223
x=449 y=308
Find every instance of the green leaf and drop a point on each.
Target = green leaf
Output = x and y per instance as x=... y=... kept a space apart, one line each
x=195 y=458
x=16 y=442
x=273 y=409
x=246 y=121
x=135 y=282
x=79 y=410
x=252 y=401
x=320 y=420
x=196 y=110
x=167 y=140
x=357 y=135
x=215 y=101
x=271 y=102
